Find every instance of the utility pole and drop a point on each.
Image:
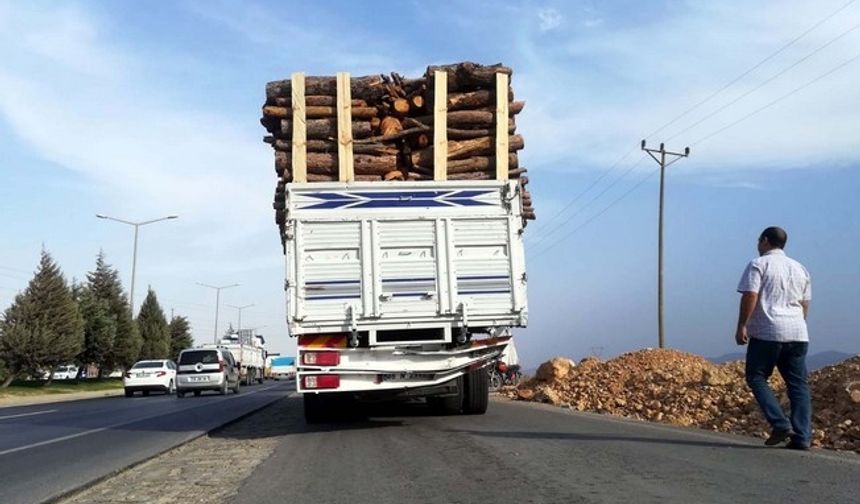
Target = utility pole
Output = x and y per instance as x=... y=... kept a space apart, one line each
x=217 y=302
x=137 y=226
x=661 y=160
x=240 y=308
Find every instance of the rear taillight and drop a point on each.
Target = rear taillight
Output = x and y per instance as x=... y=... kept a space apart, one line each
x=220 y=365
x=321 y=358
x=317 y=382
x=161 y=373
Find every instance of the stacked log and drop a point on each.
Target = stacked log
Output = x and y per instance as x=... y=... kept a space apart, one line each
x=392 y=128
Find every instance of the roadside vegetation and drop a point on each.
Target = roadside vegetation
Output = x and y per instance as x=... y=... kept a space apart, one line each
x=90 y=324
x=25 y=388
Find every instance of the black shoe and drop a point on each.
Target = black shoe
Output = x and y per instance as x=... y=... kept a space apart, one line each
x=794 y=445
x=777 y=437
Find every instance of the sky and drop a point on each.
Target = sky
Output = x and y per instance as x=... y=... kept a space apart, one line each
x=140 y=110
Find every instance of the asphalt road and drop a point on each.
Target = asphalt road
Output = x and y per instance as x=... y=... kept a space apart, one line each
x=47 y=450
x=529 y=453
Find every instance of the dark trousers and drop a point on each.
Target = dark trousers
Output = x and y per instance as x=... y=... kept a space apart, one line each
x=790 y=359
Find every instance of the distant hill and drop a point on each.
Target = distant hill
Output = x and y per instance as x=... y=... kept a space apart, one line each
x=729 y=357
x=813 y=362
x=822 y=359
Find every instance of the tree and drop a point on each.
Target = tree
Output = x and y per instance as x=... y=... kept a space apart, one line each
x=43 y=327
x=180 y=335
x=99 y=330
x=103 y=285
x=153 y=329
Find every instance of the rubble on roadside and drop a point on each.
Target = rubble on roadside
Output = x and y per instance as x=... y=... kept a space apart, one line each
x=679 y=388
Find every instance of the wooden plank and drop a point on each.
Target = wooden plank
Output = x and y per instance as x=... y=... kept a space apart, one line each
x=502 y=126
x=345 y=161
x=300 y=150
x=440 y=126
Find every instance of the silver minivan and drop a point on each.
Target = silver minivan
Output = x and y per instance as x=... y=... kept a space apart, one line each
x=200 y=369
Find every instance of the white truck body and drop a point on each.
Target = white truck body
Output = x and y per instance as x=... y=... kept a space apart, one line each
x=400 y=278
x=250 y=357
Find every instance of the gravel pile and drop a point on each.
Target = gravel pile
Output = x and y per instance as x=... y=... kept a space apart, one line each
x=679 y=388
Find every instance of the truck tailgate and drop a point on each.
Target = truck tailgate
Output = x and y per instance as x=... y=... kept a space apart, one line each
x=382 y=257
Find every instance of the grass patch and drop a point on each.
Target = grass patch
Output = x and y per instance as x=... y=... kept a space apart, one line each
x=25 y=388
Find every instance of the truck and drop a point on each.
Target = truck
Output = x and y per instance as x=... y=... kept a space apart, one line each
x=402 y=232
x=281 y=367
x=249 y=351
x=402 y=290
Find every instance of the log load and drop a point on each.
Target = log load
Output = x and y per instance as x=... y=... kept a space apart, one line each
x=392 y=124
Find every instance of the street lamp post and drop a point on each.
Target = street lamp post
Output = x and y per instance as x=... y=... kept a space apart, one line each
x=217 y=301
x=240 y=308
x=137 y=226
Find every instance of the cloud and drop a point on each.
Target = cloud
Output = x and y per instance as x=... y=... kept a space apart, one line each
x=550 y=19
x=353 y=48
x=593 y=94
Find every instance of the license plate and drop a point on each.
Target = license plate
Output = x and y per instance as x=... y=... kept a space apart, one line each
x=143 y=375
x=198 y=378
x=404 y=377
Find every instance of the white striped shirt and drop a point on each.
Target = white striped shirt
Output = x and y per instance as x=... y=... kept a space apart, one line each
x=781 y=284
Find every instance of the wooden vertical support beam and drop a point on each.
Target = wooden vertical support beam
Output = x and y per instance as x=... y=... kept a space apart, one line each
x=501 y=126
x=300 y=149
x=440 y=126
x=345 y=161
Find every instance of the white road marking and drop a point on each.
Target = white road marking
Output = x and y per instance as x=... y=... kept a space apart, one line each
x=19 y=415
x=122 y=424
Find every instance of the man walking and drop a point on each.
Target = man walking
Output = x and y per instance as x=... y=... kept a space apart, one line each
x=776 y=291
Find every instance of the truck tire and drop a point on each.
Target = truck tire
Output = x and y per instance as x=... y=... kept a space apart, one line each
x=477 y=392
x=448 y=405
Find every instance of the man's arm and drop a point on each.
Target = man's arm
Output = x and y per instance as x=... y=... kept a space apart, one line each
x=748 y=302
x=805 y=305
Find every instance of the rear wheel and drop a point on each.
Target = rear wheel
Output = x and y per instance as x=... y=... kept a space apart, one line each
x=516 y=379
x=171 y=388
x=223 y=390
x=449 y=405
x=128 y=393
x=477 y=392
x=196 y=393
x=236 y=388
x=145 y=392
x=495 y=380
x=180 y=394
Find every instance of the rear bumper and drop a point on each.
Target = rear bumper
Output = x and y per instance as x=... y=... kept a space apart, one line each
x=146 y=384
x=213 y=382
x=393 y=370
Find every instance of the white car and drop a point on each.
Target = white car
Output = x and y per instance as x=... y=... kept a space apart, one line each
x=150 y=375
x=64 y=373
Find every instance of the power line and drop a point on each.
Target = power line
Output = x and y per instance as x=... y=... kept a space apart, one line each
x=774 y=102
x=703 y=139
x=583 y=193
x=765 y=82
x=592 y=200
x=595 y=216
x=690 y=109
x=752 y=68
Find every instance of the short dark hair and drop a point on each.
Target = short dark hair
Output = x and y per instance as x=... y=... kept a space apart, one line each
x=776 y=236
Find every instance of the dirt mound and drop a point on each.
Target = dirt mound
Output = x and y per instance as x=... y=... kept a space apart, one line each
x=685 y=389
